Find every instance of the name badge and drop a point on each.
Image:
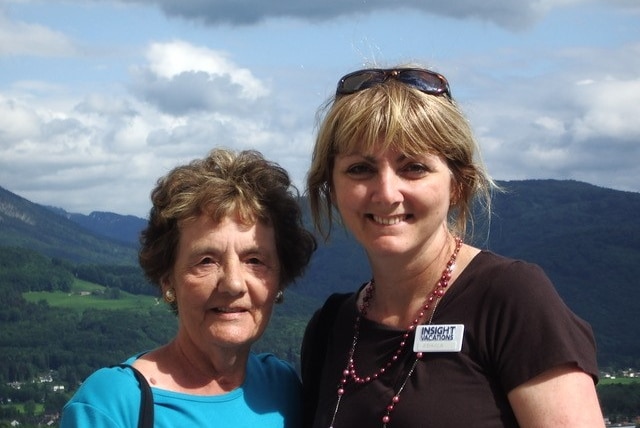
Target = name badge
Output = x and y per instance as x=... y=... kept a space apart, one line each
x=438 y=338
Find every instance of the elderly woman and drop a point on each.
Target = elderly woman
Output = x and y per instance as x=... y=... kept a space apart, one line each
x=224 y=238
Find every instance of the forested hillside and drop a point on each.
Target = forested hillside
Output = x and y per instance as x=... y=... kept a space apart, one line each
x=27 y=225
x=73 y=299
x=586 y=238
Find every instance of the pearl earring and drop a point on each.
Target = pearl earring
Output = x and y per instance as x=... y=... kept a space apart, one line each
x=169 y=295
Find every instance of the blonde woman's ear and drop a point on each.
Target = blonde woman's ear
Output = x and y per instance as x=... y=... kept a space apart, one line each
x=456 y=191
x=332 y=195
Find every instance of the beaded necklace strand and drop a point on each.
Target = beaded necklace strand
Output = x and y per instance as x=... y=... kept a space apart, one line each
x=350 y=373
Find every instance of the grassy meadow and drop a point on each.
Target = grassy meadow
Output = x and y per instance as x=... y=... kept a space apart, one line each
x=85 y=295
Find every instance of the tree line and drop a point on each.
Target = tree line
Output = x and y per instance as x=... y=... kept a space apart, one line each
x=36 y=338
x=28 y=270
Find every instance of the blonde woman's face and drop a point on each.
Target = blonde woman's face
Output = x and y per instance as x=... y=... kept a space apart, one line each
x=393 y=204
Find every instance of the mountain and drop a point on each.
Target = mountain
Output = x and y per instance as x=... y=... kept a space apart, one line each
x=28 y=225
x=586 y=238
x=122 y=228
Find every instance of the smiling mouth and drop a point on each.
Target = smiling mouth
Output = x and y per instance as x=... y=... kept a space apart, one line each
x=389 y=221
x=228 y=310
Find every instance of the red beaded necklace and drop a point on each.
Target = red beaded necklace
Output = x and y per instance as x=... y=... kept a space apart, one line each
x=351 y=374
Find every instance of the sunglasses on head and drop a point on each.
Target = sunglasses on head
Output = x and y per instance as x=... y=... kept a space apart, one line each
x=429 y=82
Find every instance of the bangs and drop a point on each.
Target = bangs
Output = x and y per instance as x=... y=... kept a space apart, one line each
x=389 y=117
x=219 y=199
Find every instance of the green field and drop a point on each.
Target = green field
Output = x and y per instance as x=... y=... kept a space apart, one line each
x=85 y=295
x=619 y=380
x=38 y=408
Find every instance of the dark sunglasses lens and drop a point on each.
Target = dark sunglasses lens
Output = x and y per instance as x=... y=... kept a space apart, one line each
x=425 y=82
x=358 y=81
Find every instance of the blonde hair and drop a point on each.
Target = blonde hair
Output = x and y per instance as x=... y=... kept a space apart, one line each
x=402 y=118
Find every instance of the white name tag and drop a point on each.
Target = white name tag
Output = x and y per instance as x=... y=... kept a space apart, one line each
x=438 y=338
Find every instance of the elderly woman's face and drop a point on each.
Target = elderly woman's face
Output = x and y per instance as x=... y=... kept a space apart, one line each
x=225 y=277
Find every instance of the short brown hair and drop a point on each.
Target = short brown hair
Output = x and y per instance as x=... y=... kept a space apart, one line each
x=221 y=184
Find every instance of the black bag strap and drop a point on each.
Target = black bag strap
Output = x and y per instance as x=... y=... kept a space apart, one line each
x=146 y=403
x=314 y=351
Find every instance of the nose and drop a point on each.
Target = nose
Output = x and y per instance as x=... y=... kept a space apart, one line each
x=388 y=188
x=232 y=281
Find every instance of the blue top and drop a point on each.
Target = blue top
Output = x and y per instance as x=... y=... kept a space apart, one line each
x=269 y=397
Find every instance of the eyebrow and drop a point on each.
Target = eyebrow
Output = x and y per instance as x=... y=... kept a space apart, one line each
x=370 y=158
x=209 y=249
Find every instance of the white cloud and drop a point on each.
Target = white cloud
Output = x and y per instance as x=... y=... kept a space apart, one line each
x=22 y=38
x=99 y=138
x=551 y=125
x=17 y=121
x=169 y=60
x=575 y=119
x=104 y=150
x=181 y=78
x=611 y=108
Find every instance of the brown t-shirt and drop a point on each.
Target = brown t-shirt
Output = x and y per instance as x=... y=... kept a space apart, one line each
x=515 y=327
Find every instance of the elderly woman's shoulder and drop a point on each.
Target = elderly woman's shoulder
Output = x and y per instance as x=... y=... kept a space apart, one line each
x=109 y=393
x=274 y=369
x=108 y=379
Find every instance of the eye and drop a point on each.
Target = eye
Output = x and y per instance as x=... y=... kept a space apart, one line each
x=206 y=261
x=415 y=169
x=255 y=261
x=360 y=170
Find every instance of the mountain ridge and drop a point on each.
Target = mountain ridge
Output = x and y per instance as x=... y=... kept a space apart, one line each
x=30 y=225
x=119 y=227
x=585 y=237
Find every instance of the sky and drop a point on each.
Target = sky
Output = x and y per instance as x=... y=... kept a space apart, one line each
x=100 y=98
